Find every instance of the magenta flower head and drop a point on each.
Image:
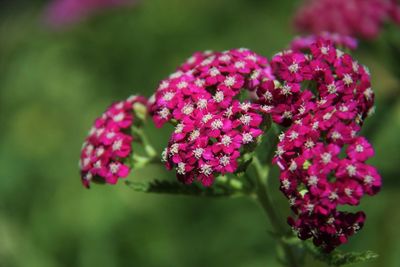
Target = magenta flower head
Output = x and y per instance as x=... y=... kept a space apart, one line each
x=105 y=155
x=341 y=41
x=209 y=100
x=360 y=18
x=66 y=12
x=323 y=96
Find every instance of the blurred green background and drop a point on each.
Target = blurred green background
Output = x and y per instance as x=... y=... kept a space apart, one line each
x=52 y=86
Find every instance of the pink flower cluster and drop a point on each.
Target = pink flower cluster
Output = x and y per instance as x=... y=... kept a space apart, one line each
x=108 y=145
x=323 y=96
x=213 y=127
x=65 y=12
x=360 y=18
x=304 y=42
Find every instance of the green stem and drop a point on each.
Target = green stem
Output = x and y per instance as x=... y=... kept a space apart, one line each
x=150 y=151
x=268 y=207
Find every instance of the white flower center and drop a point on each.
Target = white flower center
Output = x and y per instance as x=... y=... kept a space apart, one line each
x=228 y=113
x=245 y=119
x=226 y=140
x=117 y=145
x=286 y=184
x=164 y=113
x=351 y=170
x=187 y=109
x=202 y=103
x=336 y=135
x=279 y=151
x=333 y=196
x=224 y=160
x=219 y=96
x=174 y=149
x=114 y=168
x=86 y=162
x=239 y=65
x=359 y=148
x=217 y=124
x=97 y=164
x=207 y=117
x=247 y=138
x=214 y=72
x=332 y=89
x=119 y=117
x=294 y=68
x=368 y=180
x=194 y=135
x=163 y=85
x=100 y=151
x=181 y=168
x=348 y=191
x=287 y=115
x=266 y=108
x=252 y=58
x=164 y=155
x=230 y=81
x=206 y=169
x=310 y=207
x=182 y=85
x=268 y=96
x=326 y=157
x=286 y=90
x=293 y=166
x=110 y=135
x=245 y=106
x=199 y=82
x=331 y=220
x=312 y=180
x=309 y=144
x=168 y=96
x=368 y=93
x=347 y=79
x=198 y=152
x=224 y=58
x=179 y=128
x=293 y=135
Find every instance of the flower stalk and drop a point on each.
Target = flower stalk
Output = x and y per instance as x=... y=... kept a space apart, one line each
x=263 y=197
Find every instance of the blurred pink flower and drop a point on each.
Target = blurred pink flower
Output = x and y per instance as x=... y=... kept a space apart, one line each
x=358 y=18
x=61 y=13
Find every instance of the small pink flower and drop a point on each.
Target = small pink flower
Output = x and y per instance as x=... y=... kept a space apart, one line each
x=321 y=157
x=360 y=149
x=360 y=18
x=303 y=42
x=213 y=128
x=108 y=144
x=66 y=12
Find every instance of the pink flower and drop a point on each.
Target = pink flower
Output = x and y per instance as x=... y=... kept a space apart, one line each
x=360 y=18
x=360 y=149
x=213 y=128
x=321 y=157
x=303 y=42
x=66 y=12
x=107 y=148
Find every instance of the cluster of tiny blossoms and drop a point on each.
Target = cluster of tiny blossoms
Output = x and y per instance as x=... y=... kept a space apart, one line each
x=360 y=18
x=341 y=41
x=213 y=126
x=60 y=13
x=323 y=96
x=109 y=144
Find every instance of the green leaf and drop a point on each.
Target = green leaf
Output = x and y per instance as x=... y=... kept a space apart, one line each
x=177 y=188
x=340 y=258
